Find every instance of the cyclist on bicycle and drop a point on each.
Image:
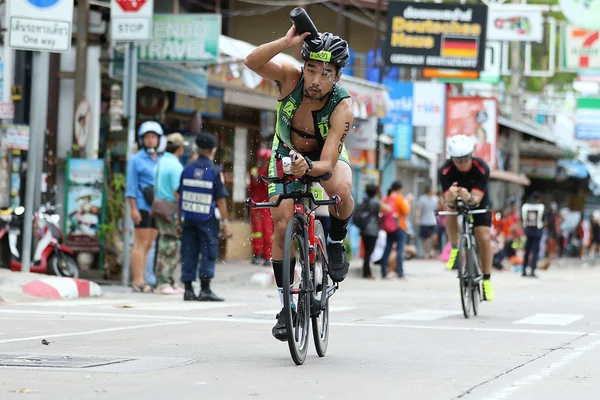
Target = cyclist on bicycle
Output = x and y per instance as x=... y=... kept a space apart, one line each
x=467 y=177
x=314 y=117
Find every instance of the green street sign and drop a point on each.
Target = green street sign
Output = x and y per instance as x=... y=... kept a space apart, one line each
x=183 y=37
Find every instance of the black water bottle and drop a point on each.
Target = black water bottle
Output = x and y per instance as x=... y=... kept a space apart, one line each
x=303 y=24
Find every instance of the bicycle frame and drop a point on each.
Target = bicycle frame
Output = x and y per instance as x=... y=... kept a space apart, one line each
x=305 y=213
x=471 y=276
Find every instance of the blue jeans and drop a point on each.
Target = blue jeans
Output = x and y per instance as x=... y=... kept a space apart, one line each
x=398 y=237
x=199 y=238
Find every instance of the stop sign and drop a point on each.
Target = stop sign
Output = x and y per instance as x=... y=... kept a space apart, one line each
x=131 y=5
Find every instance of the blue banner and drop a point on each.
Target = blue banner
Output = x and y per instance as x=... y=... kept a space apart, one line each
x=398 y=120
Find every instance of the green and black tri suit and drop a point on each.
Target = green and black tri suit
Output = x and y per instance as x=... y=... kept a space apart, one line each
x=282 y=143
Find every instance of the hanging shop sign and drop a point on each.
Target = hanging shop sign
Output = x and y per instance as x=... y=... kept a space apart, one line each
x=436 y=35
x=515 y=22
x=183 y=37
x=581 y=48
x=212 y=106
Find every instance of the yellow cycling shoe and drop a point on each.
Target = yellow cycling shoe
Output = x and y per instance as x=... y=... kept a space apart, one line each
x=452 y=258
x=488 y=290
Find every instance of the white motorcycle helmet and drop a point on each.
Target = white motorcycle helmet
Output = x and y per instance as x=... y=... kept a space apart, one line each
x=150 y=126
x=459 y=146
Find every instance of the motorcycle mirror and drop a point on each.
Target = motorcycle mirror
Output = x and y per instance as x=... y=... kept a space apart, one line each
x=19 y=210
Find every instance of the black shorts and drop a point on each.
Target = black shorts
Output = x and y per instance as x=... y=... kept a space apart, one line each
x=426 y=231
x=484 y=219
x=147 y=221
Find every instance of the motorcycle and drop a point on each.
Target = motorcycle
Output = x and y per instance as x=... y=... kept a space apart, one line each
x=50 y=255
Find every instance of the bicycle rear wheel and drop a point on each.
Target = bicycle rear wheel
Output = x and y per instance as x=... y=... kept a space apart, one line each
x=320 y=281
x=296 y=297
x=463 y=279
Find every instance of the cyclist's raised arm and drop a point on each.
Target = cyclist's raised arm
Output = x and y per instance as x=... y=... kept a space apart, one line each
x=481 y=185
x=448 y=188
x=261 y=59
x=341 y=121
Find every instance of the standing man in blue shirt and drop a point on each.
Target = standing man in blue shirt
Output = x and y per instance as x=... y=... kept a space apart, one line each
x=141 y=171
x=168 y=178
x=201 y=190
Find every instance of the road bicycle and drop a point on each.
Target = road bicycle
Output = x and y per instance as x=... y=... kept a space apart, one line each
x=468 y=261
x=305 y=241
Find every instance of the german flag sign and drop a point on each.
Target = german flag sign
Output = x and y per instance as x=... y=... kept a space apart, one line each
x=433 y=35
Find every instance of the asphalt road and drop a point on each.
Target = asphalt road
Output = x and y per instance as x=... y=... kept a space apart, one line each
x=389 y=340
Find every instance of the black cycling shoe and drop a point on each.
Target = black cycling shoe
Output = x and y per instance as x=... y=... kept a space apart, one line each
x=338 y=261
x=279 y=331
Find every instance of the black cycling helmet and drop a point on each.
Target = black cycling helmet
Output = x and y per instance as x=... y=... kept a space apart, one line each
x=333 y=50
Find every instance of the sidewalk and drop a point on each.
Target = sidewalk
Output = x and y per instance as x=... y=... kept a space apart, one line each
x=19 y=287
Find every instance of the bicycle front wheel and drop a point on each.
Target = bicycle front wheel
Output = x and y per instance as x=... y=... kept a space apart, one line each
x=296 y=296
x=320 y=279
x=463 y=276
x=475 y=273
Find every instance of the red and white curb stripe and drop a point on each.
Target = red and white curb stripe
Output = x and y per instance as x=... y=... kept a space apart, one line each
x=54 y=287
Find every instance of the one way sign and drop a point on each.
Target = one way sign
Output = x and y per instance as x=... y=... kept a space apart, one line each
x=131 y=20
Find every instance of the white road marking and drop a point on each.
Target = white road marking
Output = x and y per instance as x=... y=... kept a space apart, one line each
x=179 y=305
x=150 y=317
x=550 y=319
x=422 y=315
x=530 y=379
x=75 y=303
x=92 y=332
x=331 y=309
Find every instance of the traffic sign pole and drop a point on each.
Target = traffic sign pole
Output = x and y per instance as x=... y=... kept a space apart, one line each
x=131 y=21
x=39 y=91
x=129 y=93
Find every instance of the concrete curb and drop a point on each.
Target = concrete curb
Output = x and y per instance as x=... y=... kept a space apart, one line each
x=18 y=286
x=62 y=288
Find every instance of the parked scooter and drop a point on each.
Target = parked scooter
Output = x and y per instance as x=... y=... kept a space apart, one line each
x=50 y=255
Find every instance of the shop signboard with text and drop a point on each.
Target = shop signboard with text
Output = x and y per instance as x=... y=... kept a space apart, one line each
x=428 y=104
x=211 y=106
x=476 y=117
x=435 y=35
x=581 y=48
x=587 y=119
x=183 y=37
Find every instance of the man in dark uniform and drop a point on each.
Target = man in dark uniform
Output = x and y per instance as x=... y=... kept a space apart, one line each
x=200 y=191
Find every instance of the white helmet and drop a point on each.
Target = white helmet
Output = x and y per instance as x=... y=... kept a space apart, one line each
x=459 y=146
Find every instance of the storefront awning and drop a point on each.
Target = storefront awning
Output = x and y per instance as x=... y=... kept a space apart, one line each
x=510 y=177
x=163 y=76
x=573 y=168
x=535 y=131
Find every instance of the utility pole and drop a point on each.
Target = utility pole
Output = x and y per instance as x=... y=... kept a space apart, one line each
x=514 y=137
x=83 y=16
